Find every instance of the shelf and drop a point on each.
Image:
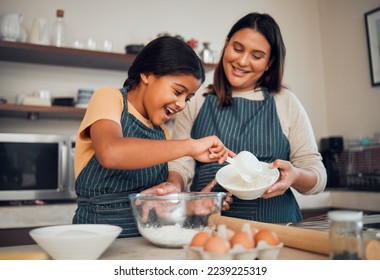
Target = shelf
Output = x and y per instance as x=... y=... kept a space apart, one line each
x=35 y=112
x=71 y=57
x=51 y=55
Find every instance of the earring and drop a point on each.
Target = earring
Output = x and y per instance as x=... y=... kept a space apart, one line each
x=145 y=81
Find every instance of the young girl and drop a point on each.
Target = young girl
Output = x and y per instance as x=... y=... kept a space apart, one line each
x=122 y=145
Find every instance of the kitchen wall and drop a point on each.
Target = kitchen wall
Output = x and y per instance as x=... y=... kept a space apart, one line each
x=352 y=105
x=327 y=64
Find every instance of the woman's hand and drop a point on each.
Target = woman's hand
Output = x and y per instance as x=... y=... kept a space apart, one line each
x=288 y=175
x=227 y=199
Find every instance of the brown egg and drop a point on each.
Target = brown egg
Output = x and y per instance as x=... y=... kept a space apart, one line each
x=216 y=244
x=200 y=239
x=243 y=239
x=254 y=230
x=230 y=234
x=267 y=235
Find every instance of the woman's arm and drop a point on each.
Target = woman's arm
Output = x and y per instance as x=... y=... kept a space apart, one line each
x=301 y=179
x=308 y=172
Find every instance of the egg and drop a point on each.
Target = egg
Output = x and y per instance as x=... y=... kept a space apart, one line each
x=216 y=244
x=243 y=239
x=230 y=234
x=200 y=238
x=267 y=235
x=254 y=230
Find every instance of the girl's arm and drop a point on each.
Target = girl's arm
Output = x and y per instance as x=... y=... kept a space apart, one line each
x=117 y=152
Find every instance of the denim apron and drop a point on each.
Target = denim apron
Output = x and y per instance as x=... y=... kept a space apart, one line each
x=253 y=126
x=103 y=193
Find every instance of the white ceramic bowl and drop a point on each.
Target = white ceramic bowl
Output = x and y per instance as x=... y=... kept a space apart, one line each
x=172 y=220
x=75 y=242
x=229 y=179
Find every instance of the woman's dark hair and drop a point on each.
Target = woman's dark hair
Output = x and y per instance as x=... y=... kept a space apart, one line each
x=165 y=55
x=272 y=78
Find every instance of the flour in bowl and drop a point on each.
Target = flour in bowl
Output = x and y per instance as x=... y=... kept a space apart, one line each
x=169 y=236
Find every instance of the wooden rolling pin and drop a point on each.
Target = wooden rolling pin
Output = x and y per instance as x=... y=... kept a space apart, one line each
x=299 y=238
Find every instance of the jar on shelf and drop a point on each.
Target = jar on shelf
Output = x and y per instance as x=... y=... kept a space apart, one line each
x=59 y=30
x=346 y=237
x=206 y=54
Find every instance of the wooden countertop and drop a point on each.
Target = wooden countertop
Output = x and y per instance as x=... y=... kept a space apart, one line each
x=138 y=248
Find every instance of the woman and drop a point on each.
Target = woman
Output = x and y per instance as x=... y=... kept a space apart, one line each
x=248 y=108
x=122 y=145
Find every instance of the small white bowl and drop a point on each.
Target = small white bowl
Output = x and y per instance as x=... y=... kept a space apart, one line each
x=75 y=242
x=229 y=179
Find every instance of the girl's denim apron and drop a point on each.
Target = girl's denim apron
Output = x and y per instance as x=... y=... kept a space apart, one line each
x=103 y=193
x=253 y=126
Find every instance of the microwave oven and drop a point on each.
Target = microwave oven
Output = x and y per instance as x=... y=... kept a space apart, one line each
x=36 y=167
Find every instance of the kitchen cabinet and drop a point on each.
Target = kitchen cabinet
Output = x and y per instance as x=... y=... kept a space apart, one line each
x=59 y=56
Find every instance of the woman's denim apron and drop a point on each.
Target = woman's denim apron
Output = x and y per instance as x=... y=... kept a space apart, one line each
x=252 y=126
x=103 y=193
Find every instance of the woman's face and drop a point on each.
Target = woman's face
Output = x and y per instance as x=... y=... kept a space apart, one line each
x=246 y=58
x=167 y=95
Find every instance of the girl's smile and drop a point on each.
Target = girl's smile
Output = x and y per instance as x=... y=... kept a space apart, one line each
x=159 y=98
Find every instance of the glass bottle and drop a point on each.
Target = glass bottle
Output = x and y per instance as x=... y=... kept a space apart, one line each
x=59 y=30
x=346 y=237
x=206 y=54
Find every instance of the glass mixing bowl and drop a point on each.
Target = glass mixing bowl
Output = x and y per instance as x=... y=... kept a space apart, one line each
x=172 y=220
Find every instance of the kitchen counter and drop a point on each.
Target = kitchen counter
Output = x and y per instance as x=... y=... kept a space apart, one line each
x=36 y=215
x=337 y=198
x=16 y=221
x=138 y=248
x=56 y=214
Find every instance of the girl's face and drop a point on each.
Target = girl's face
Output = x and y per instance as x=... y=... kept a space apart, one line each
x=167 y=95
x=246 y=58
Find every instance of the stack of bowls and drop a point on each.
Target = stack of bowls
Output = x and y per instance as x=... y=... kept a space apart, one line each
x=84 y=96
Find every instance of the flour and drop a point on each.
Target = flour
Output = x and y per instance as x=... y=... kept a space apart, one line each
x=228 y=176
x=237 y=183
x=259 y=182
x=169 y=236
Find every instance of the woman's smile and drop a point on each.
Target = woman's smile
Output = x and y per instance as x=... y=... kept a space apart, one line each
x=238 y=71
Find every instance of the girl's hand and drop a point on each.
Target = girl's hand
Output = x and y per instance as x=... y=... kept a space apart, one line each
x=210 y=149
x=160 y=207
x=162 y=189
x=288 y=175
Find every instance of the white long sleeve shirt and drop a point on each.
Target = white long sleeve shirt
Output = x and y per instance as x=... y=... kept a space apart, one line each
x=295 y=125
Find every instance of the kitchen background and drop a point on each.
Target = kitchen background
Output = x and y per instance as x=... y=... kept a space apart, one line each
x=327 y=67
x=327 y=63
